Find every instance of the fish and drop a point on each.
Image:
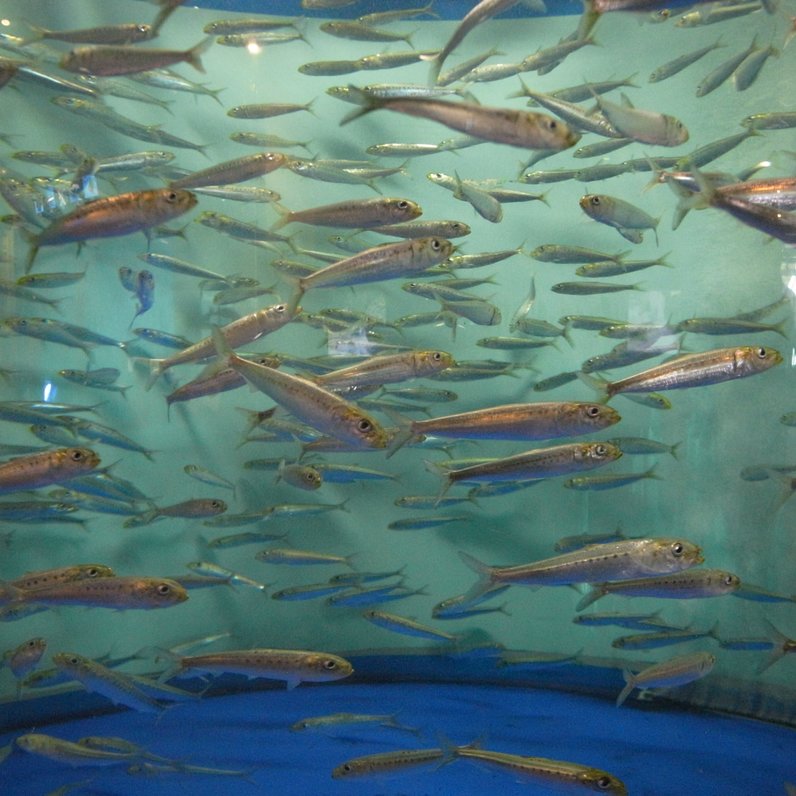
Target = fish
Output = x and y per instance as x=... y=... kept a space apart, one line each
x=190 y=509
x=387 y=369
x=32 y=581
x=109 y=60
x=236 y=333
x=332 y=721
x=359 y=31
x=111 y=216
x=699 y=369
x=525 y=129
x=553 y=773
x=418 y=523
x=307 y=402
x=723 y=71
x=119 y=592
x=291 y=666
x=49 y=467
x=625 y=218
x=120 y=688
x=388 y=763
x=241 y=169
x=530 y=421
x=668 y=674
x=387 y=261
x=608 y=481
x=627 y=560
x=678 y=586
x=300 y=557
x=24 y=658
x=211 y=570
x=646 y=127
x=408 y=627
x=69 y=752
x=267 y=110
x=662 y=638
x=355 y=213
x=477 y=15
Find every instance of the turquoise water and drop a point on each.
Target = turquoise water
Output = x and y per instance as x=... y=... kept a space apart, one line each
x=718 y=268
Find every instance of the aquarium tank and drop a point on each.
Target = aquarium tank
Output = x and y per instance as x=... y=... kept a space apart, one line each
x=397 y=398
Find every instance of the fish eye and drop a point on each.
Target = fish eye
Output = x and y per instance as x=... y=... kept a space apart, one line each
x=600 y=450
x=142 y=28
x=76 y=455
x=346 y=768
x=364 y=424
x=93 y=572
x=403 y=204
x=593 y=411
x=761 y=353
x=216 y=504
x=436 y=356
x=436 y=245
x=594 y=200
x=551 y=124
x=329 y=664
x=728 y=580
x=280 y=308
x=164 y=589
x=74 y=661
x=171 y=196
x=603 y=783
x=32 y=643
x=678 y=549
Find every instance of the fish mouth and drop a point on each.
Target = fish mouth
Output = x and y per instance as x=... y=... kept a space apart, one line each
x=699 y=558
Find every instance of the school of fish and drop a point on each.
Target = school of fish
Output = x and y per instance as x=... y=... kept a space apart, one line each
x=375 y=258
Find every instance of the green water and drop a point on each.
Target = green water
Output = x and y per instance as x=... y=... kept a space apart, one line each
x=719 y=268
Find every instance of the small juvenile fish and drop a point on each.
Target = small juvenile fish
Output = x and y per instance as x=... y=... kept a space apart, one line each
x=191 y=509
x=74 y=754
x=300 y=557
x=662 y=638
x=561 y=253
x=23 y=659
x=211 y=570
x=670 y=673
x=640 y=446
x=676 y=65
x=408 y=627
x=120 y=688
x=418 y=523
x=302 y=476
x=100 y=378
x=627 y=219
x=267 y=110
x=346 y=720
x=609 y=481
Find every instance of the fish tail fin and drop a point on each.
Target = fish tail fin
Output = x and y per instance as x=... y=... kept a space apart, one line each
x=789 y=485
x=630 y=684
x=780 y=641
x=674 y=450
x=588 y=20
x=404 y=434
x=601 y=386
x=433 y=467
x=366 y=103
x=436 y=66
x=156 y=369
x=297 y=293
x=284 y=218
x=591 y=596
x=486 y=574
x=194 y=55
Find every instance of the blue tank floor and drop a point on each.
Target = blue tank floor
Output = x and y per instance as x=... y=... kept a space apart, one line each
x=654 y=750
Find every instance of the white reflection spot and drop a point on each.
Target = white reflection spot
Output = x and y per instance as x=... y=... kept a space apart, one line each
x=48 y=389
x=254 y=48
